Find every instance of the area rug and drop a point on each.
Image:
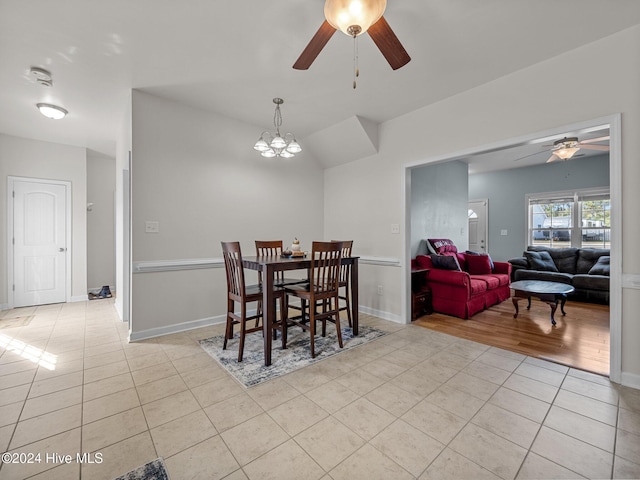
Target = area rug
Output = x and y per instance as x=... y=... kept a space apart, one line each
x=251 y=371
x=151 y=471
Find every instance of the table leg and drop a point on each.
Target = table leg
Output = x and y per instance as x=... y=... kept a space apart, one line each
x=515 y=304
x=354 y=297
x=268 y=311
x=554 y=306
x=563 y=300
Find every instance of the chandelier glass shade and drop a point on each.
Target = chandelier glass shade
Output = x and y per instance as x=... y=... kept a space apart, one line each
x=277 y=145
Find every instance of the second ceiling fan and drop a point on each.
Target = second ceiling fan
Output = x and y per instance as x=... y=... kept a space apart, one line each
x=355 y=17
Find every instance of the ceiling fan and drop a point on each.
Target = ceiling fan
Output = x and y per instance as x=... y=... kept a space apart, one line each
x=355 y=17
x=567 y=147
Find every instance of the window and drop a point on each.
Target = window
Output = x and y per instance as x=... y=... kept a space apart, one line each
x=570 y=219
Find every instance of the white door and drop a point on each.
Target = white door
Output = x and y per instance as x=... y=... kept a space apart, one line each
x=39 y=243
x=478 y=226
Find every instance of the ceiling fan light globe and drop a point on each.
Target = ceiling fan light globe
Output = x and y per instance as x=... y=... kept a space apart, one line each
x=342 y=14
x=565 y=153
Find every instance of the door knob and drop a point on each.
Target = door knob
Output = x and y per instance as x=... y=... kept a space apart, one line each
x=62 y=249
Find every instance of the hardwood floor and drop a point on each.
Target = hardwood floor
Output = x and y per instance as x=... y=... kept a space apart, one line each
x=580 y=339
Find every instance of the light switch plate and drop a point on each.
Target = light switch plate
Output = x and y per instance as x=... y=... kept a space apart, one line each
x=151 y=227
x=395 y=228
x=503 y=232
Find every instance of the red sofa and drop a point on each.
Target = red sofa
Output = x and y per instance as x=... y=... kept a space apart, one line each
x=477 y=286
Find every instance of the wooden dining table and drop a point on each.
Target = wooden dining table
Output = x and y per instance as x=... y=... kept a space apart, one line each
x=269 y=265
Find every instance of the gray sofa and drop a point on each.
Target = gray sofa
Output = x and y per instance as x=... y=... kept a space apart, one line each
x=586 y=269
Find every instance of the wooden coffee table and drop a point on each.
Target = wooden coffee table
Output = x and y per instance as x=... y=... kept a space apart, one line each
x=550 y=293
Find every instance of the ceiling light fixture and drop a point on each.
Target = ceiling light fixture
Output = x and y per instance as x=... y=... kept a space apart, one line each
x=271 y=146
x=52 y=111
x=353 y=17
x=566 y=148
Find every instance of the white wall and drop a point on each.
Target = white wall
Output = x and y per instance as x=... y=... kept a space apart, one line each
x=535 y=99
x=196 y=173
x=101 y=182
x=35 y=159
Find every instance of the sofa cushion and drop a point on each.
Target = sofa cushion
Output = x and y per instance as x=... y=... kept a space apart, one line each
x=478 y=264
x=583 y=281
x=445 y=262
x=601 y=267
x=564 y=258
x=491 y=281
x=544 y=276
x=478 y=286
x=441 y=245
x=469 y=252
x=541 y=261
x=587 y=258
x=503 y=278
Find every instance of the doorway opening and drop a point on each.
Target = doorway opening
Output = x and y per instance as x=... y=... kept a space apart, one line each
x=613 y=124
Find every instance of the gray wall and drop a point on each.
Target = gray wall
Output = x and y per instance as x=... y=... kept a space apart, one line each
x=506 y=191
x=101 y=184
x=439 y=205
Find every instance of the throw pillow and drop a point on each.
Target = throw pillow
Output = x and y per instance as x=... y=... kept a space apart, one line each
x=478 y=264
x=445 y=262
x=441 y=245
x=541 y=261
x=601 y=267
x=469 y=252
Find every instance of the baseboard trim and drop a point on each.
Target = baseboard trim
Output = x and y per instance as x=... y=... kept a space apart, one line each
x=392 y=317
x=4 y=306
x=175 y=328
x=630 y=380
x=79 y=298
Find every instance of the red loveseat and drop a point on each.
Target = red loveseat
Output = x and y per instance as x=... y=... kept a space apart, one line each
x=479 y=284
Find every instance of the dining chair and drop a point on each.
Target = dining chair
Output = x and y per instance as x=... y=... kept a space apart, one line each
x=321 y=291
x=345 y=278
x=274 y=248
x=238 y=291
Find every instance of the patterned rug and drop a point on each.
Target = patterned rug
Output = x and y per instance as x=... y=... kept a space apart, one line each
x=251 y=371
x=151 y=471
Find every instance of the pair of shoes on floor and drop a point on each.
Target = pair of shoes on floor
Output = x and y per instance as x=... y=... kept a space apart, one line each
x=105 y=292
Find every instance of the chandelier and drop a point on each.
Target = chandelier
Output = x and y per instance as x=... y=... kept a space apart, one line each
x=277 y=145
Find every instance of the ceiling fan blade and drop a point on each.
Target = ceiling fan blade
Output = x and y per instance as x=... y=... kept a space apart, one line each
x=530 y=155
x=552 y=158
x=603 y=148
x=594 y=140
x=387 y=42
x=315 y=46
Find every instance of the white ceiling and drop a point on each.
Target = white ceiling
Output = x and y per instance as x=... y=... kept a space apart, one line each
x=232 y=57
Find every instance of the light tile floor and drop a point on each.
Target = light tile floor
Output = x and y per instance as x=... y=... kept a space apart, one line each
x=413 y=404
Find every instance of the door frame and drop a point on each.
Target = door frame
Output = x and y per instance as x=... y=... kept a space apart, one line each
x=485 y=201
x=614 y=122
x=10 y=233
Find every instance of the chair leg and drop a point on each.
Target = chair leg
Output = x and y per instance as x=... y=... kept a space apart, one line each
x=283 y=321
x=243 y=324
x=337 y=322
x=312 y=329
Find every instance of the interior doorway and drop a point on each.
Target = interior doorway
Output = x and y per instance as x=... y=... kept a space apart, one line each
x=613 y=124
x=39 y=239
x=478 y=221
